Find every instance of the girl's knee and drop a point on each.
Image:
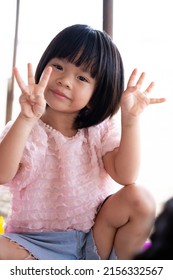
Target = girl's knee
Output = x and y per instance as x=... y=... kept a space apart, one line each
x=140 y=199
x=132 y=202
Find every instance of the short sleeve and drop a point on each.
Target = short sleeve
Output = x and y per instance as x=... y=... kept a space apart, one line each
x=111 y=135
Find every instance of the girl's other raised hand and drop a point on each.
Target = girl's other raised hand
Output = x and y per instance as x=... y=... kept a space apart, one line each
x=32 y=97
x=134 y=100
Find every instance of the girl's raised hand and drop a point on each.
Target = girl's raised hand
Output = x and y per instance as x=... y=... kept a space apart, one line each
x=32 y=97
x=134 y=101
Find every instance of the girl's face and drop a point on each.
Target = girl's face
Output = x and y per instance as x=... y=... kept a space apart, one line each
x=69 y=88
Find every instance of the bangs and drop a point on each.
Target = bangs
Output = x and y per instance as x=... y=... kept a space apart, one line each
x=87 y=60
x=95 y=53
x=82 y=50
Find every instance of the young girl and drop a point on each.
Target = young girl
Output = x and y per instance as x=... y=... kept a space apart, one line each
x=61 y=153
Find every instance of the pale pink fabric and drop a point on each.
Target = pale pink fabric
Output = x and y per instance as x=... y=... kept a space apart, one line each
x=62 y=180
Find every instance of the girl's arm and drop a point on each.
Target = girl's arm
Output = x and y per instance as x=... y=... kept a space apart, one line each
x=32 y=107
x=11 y=148
x=123 y=163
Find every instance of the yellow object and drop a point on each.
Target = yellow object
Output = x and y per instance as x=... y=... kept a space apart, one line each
x=1 y=225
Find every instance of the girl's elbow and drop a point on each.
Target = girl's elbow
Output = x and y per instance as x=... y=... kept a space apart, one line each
x=3 y=180
x=7 y=174
x=124 y=181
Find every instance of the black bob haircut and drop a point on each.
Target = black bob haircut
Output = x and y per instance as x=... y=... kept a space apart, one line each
x=96 y=53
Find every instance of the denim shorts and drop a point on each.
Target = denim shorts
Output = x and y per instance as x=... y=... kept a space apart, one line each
x=66 y=245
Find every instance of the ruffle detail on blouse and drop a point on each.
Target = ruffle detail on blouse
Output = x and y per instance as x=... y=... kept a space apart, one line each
x=63 y=212
x=62 y=180
x=111 y=134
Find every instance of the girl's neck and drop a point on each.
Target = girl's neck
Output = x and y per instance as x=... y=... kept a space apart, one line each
x=61 y=122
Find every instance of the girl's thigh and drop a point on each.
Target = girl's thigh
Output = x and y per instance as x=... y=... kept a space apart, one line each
x=10 y=250
x=122 y=217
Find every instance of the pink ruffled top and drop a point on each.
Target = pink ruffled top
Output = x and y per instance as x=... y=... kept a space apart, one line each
x=62 y=180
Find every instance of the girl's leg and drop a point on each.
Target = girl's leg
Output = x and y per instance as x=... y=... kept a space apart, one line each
x=10 y=250
x=124 y=222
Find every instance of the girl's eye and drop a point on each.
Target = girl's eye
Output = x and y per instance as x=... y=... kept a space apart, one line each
x=83 y=79
x=57 y=66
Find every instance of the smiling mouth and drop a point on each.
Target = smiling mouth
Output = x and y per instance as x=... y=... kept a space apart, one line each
x=60 y=94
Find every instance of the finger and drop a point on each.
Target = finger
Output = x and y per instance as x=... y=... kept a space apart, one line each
x=19 y=80
x=149 y=88
x=45 y=77
x=140 y=80
x=157 y=100
x=131 y=81
x=31 y=79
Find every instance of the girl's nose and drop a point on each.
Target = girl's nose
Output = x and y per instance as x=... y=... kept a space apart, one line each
x=64 y=82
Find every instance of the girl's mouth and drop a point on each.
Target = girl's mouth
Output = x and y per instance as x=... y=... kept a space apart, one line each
x=60 y=94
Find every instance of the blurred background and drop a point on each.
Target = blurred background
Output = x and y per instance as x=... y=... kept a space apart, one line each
x=142 y=31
